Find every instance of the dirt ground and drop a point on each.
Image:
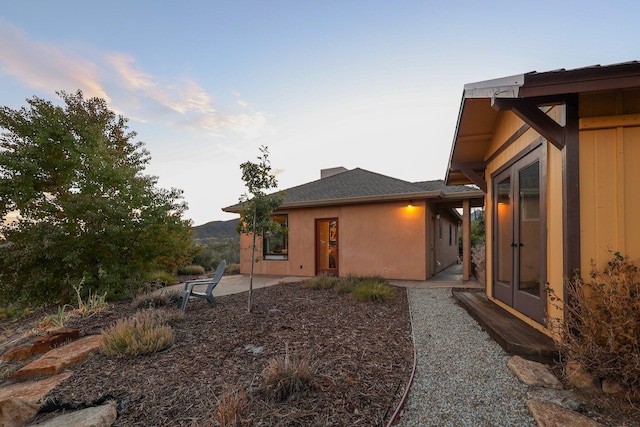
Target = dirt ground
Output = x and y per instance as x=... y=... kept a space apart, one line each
x=362 y=353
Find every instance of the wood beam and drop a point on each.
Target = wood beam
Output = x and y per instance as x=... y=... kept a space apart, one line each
x=534 y=117
x=466 y=240
x=476 y=179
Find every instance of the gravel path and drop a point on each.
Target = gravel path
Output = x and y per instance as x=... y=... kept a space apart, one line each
x=461 y=377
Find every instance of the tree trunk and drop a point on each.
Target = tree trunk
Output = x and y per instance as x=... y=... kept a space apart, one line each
x=253 y=256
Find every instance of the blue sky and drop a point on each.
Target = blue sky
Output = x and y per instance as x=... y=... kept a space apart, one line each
x=353 y=83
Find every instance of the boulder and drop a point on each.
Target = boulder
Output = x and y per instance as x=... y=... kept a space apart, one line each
x=565 y=398
x=580 y=378
x=21 y=352
x=33 y=391
x=15 y=412
x=549 y=415
x=54 y=338
x=98 y=416
x=533 y=373
x=59 y=359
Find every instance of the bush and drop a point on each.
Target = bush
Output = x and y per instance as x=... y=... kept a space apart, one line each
x=160 y=279
x=601 y=330
x=374 y=291
x=191 y=270
x=230 y=408
x=143 y=333
x=232 y=269
x=287 y=376
x=156 y=299
x=323 y=281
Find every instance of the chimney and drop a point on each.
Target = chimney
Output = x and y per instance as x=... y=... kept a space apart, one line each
x=325 y=173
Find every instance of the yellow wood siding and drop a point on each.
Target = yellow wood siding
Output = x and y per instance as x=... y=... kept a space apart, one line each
x=609 y=193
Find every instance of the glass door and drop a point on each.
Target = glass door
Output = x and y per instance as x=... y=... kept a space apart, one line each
x=327 y=246
x=520 y=236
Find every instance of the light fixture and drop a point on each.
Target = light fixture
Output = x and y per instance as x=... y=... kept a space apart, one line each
x=410 y=203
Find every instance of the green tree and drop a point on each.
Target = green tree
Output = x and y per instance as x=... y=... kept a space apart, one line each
x=87 y=211
x=257 y=205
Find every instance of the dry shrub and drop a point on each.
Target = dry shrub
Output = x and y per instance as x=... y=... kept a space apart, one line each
x=288 y=376
x=156 y=299
x=191 y=270
x=230 y=408
x=322 y=281
x=145 y=332
x=601 y=330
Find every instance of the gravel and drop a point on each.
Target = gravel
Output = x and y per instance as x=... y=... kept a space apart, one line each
x=461 y=375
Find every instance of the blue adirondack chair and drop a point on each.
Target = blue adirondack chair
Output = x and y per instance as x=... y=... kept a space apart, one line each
x=211 y=283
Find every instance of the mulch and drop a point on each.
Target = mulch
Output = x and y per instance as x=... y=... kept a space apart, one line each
x=362 y=353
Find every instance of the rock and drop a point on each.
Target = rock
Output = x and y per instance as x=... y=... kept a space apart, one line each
x=580 y=378
x=533 y=373
x=21 y=352
x=98 y=416
x=614 y=389
x=549 y=415
x=15 y=412
x=58 y=359
x=565 y=398
x=54 y=338
x=33 y=391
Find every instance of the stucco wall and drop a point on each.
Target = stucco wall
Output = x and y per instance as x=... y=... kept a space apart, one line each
x=387 y=239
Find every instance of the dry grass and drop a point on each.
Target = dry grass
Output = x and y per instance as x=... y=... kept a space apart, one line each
x=288 y=376
x=143 y=333
x=231 y=407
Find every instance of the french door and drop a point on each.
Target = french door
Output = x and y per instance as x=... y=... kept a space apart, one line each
x=327 y=246
x=519 y=238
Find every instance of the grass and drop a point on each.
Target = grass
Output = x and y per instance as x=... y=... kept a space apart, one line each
x=362 y=288
x=230 y=408
x=145 y=332
x=288 y=376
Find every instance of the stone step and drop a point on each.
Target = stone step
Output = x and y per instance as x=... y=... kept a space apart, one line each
x=33 y=391
x=58 y=359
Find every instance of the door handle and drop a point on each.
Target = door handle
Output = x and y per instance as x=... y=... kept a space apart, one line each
x=521 y=244
x=514 y=244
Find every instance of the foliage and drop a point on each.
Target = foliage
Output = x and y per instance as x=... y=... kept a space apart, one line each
x=601 y=329
x=191 y=270
x=363 y=288
x=230 y=408
x=322 y=281
x=211 y=254
x=54 y=319
x=232 y=269
x=478 y=258
x=94 y=304
x=86 y=208
x=156 y=299
x=257 y=206
x=374 y=291
x=160 y=279
x=478 y=229
x=143 y=333
x=288 y=376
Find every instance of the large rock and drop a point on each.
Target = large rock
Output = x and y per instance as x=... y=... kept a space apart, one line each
x=98 y=416
x=533 y=373
x=59 y=359
x=54 y=338
x=580 y=378
x=15 y=412
x=21 y=352
x=565 y=398
x=549 y=415
x=33 y=391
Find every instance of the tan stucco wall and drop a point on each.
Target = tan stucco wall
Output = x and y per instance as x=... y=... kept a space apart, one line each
x=387 y=239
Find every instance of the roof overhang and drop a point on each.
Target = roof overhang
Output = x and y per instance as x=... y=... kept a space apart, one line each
x=524 y=94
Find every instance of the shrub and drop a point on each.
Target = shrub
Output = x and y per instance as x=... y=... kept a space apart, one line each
x=287 y=376
x=601 y=330
x=160 y=279
x=191 y=270
x=156 y=299
x=374 y=291
x=323 y=281
x=232 y=269
x=143 y=333
x=230 y=408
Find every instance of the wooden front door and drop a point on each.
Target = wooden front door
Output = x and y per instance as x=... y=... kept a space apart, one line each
x=327 y=246
x=519 y=236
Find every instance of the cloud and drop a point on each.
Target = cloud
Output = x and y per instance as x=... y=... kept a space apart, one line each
x=46 y=67
x=127 y=87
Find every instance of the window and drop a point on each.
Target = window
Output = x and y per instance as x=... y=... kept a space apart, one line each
x=450 y=235
x=276 y=245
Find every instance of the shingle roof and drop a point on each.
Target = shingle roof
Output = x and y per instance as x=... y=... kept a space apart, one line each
x=359 y=185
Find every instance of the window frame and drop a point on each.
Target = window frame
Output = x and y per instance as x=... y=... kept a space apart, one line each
x=272 y=254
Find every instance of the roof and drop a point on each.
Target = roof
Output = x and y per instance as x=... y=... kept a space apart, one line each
x=477 y=117
x=362 y=186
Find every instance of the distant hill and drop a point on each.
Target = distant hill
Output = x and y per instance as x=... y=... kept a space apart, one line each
x=216 y=231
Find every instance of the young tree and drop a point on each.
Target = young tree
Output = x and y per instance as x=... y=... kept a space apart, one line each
x=257 y=206
x=87 y=211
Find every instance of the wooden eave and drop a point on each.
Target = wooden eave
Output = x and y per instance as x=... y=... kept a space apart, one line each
x=523 y=95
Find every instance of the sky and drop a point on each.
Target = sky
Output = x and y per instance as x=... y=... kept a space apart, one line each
x=354 y=83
